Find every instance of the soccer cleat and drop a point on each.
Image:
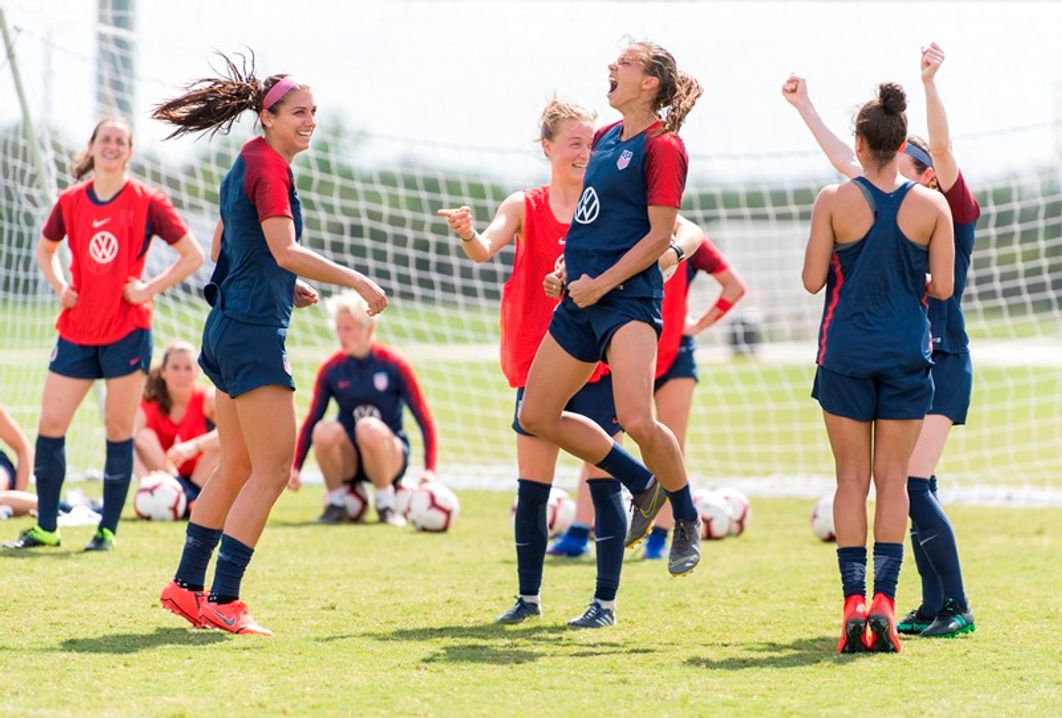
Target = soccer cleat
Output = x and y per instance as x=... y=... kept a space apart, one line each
x=914 y=623
x=231 y=617
x=102 y=540
x=595 y=616
x=333 y=514
x=645 y=505
x=182 y=602
x=520 y=612
x=570 y=546
x=390 y=517
x=33 y=537
x=953 y=620
x=854 y=626
x=685 y=547
x=881 y=620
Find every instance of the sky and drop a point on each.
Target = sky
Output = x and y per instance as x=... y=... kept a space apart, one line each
x=443 y=77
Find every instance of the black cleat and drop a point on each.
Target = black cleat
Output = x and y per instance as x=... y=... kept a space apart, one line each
x=333 y=514
x=685 y=547
x=391 y=517
x=34 y=537
x=914 y=623
x=102 y=540
x=520 y=612
x=953 y=620
x=595 y=616
x=645 y=505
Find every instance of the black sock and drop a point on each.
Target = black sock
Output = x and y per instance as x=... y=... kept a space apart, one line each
x=117 y=472
x=610 y=528
x=936 y=539
x=852 y=562
x=49 y=468
x=631 y=473
x=932 y=592
x=233 y=557
x=682 y=504
x=531 y=532
x=199 y=544
x=888 y=558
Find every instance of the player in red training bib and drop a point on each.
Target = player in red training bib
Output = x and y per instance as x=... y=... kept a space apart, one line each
x=105 y=321
x=175 y=423
x=944 y=610
x=252 y=294
x=372 y=386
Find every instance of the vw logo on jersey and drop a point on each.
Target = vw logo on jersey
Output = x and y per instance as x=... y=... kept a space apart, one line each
x=102 y=251
x=588 y=208
x=624 y=159
x=365 y=411
x=379 y=380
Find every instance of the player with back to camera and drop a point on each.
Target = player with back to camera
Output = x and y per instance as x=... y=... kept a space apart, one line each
x=944 y=610
x=104 y=322
x=371 y=384
x=252 y=293
x=538 y=220
x=872 y=242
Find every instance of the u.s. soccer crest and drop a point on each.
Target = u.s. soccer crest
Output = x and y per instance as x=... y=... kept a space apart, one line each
x=624 y=159
x=379 y=380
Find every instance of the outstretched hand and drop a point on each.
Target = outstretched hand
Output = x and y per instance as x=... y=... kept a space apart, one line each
x=795 y=90
x=372 y=294
x=460 y=220
x=932 y=58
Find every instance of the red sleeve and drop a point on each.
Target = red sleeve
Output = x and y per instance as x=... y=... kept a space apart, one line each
x=267 y=183
x=414 y=398
x=708 y=259
x=322 y=392
x=964 y=207
x=164 y=220
x=602 y=131
x=54 y=229
x=666 y=163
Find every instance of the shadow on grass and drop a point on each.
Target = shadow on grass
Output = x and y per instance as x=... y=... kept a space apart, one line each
x=121 y=643
x=484 y=631
x=799 y=653
x=483 y=653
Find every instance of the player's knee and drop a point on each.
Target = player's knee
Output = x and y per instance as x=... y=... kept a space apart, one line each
x=531 y=421
x=327 y=434
x=371 y=433
x=118 y=429
x=639 y=425
x=145 y=437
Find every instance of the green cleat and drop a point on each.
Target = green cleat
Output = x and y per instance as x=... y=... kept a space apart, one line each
x=102 y=540
x=953 y=620
x=33 y=537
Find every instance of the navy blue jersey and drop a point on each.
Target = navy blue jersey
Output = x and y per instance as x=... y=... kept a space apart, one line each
x=945 y=316
x=874 y=321
x=254 y=288
x=379 y=386
x=623 y=179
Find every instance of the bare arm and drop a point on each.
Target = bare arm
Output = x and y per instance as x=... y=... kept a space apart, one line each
x=189 y=259
x=941 y=251
x=734 y=288
x=289 y=254
x=820 y=242
x=840 y=155
x=687 y=236
x=48 y=260
x=215 y=242
x=14 y=437
x=944 y=164
x=507 y=223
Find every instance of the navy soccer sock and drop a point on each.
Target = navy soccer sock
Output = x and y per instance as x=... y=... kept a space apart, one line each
x=682 y=504
x=610 y=528
x=852 y=562
x=531 y=533
x=937 y=540
x=199 y=544
x=233 y=557
x=632 y=473
x=932 y=591
x=888 y=557
x=49 y=468
x=117 y=472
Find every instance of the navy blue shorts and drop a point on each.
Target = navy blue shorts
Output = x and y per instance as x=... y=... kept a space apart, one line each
x=899 y=396
x=953 y=382
x=191 y=493
x=594 y=401
x=108 y=361
x=240 y=357
x=585 y=333
x=6 y=467
x=360 y=474
x=684 y=366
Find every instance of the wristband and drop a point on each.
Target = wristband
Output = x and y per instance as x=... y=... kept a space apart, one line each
x=678 y=251
x=723 y=305
x=469 y=239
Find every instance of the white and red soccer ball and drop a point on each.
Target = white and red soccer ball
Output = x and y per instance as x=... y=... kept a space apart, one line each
x=356 y=501
x=433 y=507
x=714 y=512
x=160 y=497
x=560 y=512
x=822 y=519
x=740 y=509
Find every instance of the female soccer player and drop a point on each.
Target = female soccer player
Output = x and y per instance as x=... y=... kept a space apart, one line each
x=256 y=246
x=175 y=423
x=622 y=224
x=872 y=241
x=944 y=610
x=371 y=384
x=105 y=321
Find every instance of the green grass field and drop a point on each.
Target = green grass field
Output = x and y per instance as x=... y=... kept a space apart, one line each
x=372 y=620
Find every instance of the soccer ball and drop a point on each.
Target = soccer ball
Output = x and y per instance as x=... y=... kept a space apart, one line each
x=560 y=512
x=356 y=501
x=740 y=509
x=160 y=497
x=403 y=494
x=822 y=518
x=715 y=514
x=433 y=507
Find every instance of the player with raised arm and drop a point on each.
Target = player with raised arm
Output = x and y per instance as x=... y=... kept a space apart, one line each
x=104 y=322
x=252 y=293
x=371 y=384
x=944 y=610
x=872 y=242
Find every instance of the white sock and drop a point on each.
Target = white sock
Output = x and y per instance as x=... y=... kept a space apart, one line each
x=337 y=497
x=611 y=605
x=531 y=599
x=385 y=498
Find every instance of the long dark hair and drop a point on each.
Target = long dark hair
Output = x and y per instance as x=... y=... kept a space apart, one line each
x=84 y=163
x=213 y=104
x=155 y=388
x=678 y=91
x=882 y=122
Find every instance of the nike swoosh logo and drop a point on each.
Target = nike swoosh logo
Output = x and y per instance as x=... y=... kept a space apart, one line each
x=230 y=622
x=599 y=539
x=522 y=544
x=96 y=224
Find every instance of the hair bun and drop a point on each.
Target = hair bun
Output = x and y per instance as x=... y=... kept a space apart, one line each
x=892 y=98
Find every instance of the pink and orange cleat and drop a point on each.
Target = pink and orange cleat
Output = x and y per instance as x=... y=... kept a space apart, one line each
x=854 y=626
x=183 y=602
x=881 y=620
x=231 y=617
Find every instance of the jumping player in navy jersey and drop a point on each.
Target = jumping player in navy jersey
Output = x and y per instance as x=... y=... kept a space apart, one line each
x=872 y=242
x=622 y=224
x=371 y=385
x=252 y=293
x=944 y=610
